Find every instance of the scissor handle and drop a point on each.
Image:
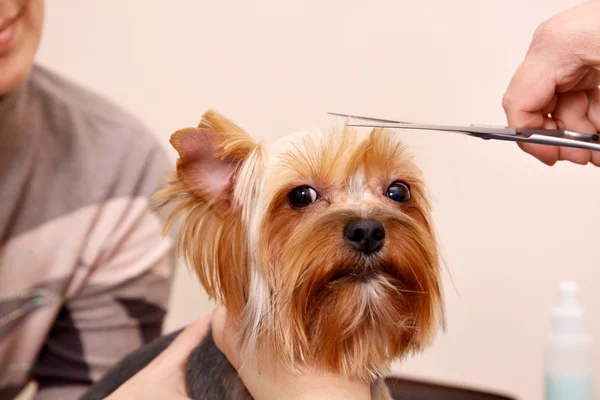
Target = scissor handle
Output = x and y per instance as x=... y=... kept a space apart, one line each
x=559 y=133
x=558 y=140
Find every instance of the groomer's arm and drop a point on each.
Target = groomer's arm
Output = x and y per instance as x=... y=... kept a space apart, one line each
x=120 y=292
x=556 y=86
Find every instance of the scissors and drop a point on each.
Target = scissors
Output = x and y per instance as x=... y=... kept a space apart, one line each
x=552 y=137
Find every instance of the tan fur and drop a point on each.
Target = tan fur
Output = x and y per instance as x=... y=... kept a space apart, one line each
x=286 y=274
x=211 y=236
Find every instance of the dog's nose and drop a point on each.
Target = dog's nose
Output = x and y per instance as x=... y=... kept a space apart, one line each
x=365 y=235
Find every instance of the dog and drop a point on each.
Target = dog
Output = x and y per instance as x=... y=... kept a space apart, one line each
x=320 y=246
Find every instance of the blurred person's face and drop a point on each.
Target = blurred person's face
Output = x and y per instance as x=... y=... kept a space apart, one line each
x=20 y=31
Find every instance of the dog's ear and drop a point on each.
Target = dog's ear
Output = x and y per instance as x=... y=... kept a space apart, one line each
x=210 y=154
x=211 y=235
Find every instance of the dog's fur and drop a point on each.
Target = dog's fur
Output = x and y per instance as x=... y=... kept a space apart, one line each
x=296 y=288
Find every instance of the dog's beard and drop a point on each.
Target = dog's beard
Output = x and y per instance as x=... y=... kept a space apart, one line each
x=339 y=311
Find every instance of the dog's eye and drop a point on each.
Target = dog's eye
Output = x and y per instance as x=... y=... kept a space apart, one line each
x=302 y=196
x=398 y=191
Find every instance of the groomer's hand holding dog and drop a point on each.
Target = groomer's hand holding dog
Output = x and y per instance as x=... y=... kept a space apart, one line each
x=163 y=378
x=556 y=86
x=264 y=385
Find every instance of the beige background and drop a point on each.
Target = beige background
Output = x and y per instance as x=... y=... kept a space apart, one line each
x=511 y=228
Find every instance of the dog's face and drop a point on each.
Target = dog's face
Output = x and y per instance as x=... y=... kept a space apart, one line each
x=320 y=245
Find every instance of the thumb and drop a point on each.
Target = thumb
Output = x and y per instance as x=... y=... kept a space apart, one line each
x=179 y=350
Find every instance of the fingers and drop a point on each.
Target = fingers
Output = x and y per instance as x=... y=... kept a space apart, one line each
x=224 y=335
x=575 y=111
x=546 y=154
x=594 y=116
x=549 y=109
x=593 y=112
x=530 y=93
x=589 y=80
x=529 y=98
x=163 y=377
x=178 y=352
x=572 y=113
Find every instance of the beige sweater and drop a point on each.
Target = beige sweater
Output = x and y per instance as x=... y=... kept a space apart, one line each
x=84 y=272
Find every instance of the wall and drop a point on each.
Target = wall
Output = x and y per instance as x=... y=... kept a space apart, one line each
x=511 y=228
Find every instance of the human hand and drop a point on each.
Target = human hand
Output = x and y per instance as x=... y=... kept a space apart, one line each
x=279 y=385
x=164 y=377
x=556 y=86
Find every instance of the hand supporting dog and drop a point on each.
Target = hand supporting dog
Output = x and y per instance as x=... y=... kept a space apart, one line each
x=164 y=377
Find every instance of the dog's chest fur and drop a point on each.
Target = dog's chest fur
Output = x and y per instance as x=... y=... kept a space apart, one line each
x=208 y=373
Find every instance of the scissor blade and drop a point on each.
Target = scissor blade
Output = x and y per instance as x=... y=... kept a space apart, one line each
x=370 y=122
x=470 y=130
x=539 y=136
x=363 y=118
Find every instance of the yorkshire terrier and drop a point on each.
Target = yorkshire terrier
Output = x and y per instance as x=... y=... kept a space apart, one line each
x=320 y=246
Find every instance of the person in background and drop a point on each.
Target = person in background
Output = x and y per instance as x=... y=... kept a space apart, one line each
x=85 y=273
x=556 y=86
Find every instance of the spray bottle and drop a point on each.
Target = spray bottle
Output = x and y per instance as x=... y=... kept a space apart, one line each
x=568 y=358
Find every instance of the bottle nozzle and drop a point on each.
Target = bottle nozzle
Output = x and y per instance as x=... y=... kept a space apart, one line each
x=568 y=294
x=567 y=315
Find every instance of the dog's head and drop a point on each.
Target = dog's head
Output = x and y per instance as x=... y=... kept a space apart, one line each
x=320 y=246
